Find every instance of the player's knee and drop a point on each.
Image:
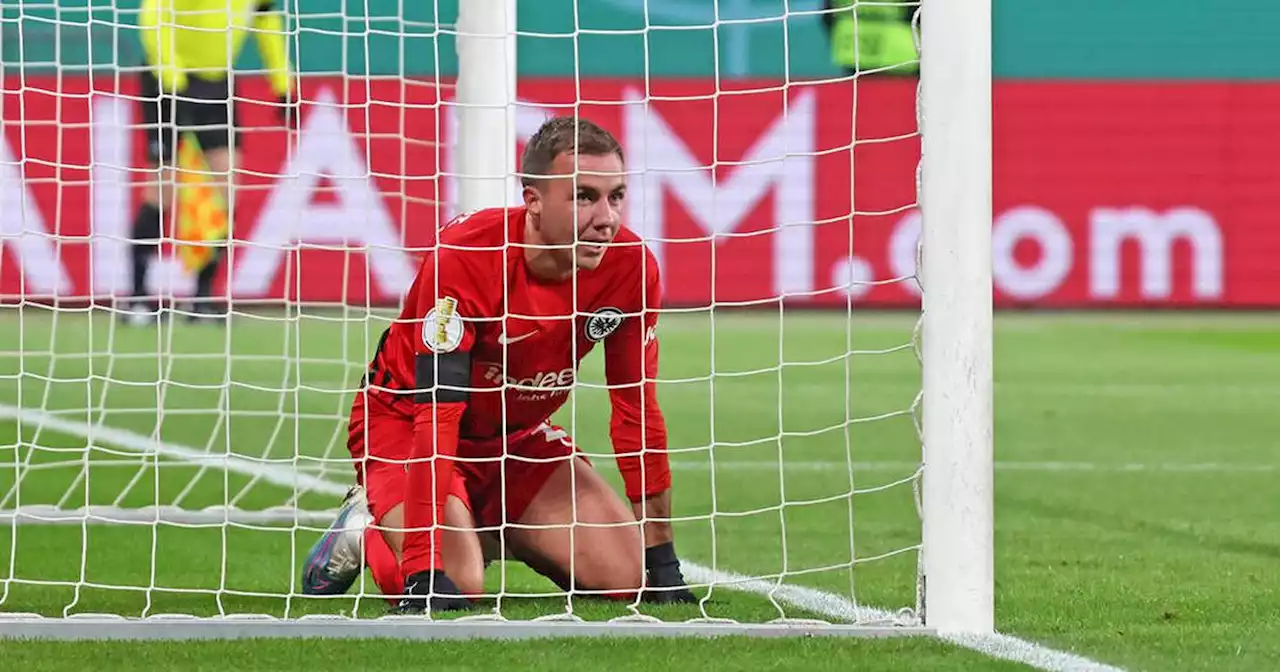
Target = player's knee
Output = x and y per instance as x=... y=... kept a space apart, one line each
x=463 y=551
x=463 y=562
x=468 y=579
x=617 y=572
x=620 y=580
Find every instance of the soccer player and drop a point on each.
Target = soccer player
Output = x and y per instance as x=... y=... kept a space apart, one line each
x=485 y=351
x=190 y=47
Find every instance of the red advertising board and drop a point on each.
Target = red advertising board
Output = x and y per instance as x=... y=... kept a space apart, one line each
x=1105 y=193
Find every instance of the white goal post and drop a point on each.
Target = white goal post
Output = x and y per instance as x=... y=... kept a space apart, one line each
x=955 y=200
x=48 y=469
x=956 y=352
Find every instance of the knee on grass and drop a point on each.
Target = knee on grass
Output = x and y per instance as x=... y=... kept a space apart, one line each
x=469 y=579
x=616 y=575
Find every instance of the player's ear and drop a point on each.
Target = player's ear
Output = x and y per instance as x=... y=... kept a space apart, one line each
x=532 y=199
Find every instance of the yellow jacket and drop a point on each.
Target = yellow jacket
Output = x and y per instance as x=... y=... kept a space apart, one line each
x=203 y=38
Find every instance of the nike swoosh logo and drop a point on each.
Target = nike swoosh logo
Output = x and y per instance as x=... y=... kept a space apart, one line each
x=503 y=339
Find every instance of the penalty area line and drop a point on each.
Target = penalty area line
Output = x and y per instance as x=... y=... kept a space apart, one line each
x=816 y=601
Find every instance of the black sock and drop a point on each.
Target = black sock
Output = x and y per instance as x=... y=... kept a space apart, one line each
x=146 y=234
x=662 y=555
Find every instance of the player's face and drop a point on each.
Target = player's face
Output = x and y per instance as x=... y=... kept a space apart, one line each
x=585 y=209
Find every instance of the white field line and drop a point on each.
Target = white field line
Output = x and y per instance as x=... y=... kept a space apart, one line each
x=841 y=608
x=816 y=601
x=140 y=443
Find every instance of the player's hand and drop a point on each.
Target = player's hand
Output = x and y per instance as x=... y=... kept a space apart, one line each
x=288 y=111
x=665 y=582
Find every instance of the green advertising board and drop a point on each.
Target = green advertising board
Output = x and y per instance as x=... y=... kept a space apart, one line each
x=1136 y=39
x=1082 y=39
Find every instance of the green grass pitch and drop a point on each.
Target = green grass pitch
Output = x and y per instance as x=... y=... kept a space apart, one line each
x=1136 y=492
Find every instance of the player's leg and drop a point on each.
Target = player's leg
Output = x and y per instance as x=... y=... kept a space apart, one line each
x=333 y=564
x=374 y=435
x=156 y=199
x=580 y=534
x=463 y=555
x=382 y=543
x=461 y=573
x=214 y=122
x=575 y=530
x=377 y=439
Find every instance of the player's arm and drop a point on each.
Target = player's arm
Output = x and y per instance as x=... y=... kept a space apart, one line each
x=156 y=21
x=273 y=46
x=637 y=428
x=639 y=435
x=442 y=375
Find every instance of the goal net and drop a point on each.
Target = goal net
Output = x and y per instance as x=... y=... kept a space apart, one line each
x=165 y=469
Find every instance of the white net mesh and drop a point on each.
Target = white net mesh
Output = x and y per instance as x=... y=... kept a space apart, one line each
x=185 y=466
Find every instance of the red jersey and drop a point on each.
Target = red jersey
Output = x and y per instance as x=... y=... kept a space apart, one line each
x=525 y=337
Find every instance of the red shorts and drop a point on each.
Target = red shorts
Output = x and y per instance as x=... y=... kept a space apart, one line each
x=380 y=439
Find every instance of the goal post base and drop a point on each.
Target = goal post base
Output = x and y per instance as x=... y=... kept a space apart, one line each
x=410 y=627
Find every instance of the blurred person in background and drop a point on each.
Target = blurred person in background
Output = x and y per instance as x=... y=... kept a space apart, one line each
x=187 y=94
x=872 y=37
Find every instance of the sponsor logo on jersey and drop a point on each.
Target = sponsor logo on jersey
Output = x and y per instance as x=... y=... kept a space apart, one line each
x=604 y=322
x=542 y=379
x=537 y=387
x=442 y=327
